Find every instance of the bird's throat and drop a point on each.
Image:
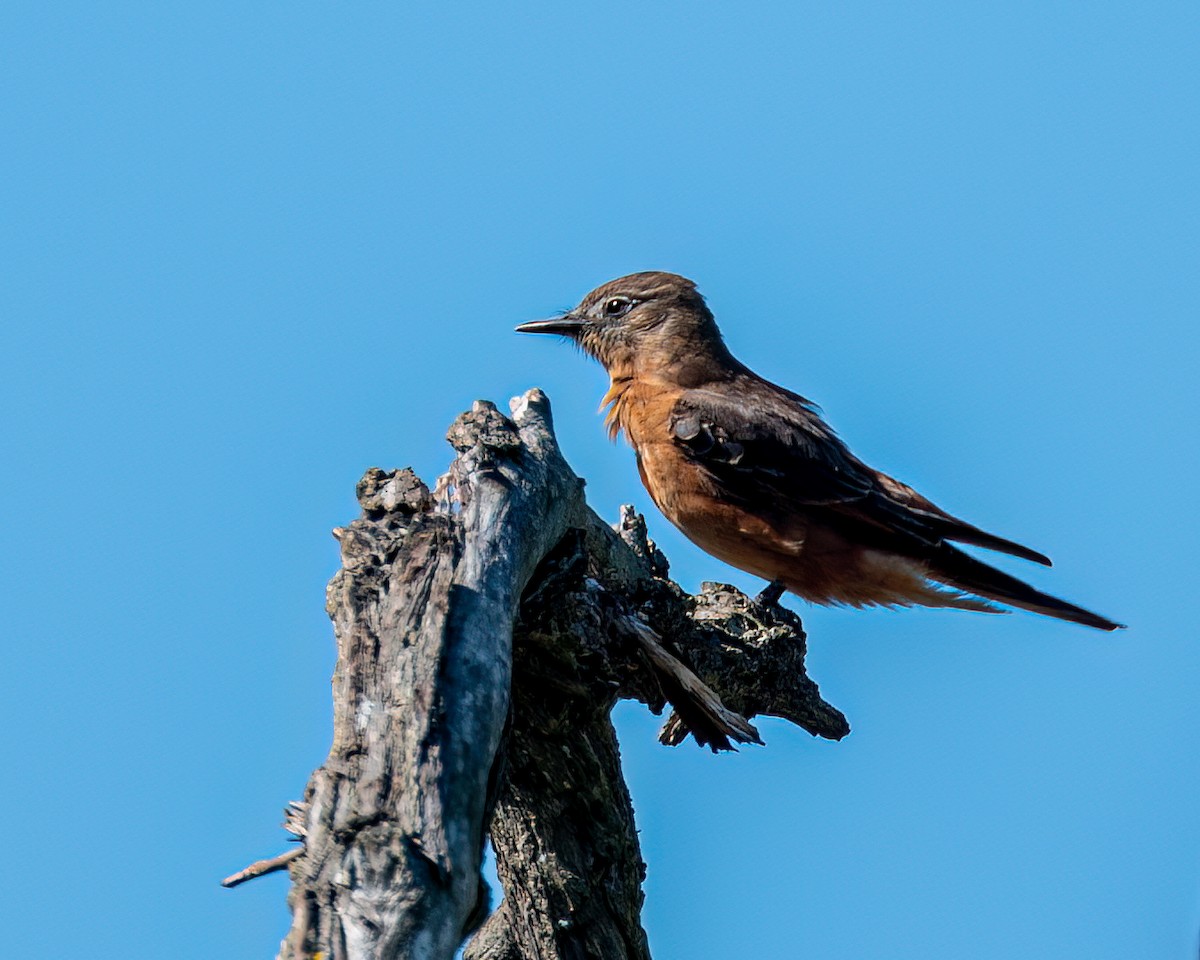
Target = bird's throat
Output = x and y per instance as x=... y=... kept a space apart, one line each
x=615 y=404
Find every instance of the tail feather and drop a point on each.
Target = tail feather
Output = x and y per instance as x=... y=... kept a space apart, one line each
x=955 y=568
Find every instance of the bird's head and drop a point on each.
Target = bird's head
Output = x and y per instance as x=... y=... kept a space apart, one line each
x=640 y=322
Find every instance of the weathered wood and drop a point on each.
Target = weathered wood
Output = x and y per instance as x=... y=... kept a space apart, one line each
x=566 y=846
x=503 y=582
x=423 y=611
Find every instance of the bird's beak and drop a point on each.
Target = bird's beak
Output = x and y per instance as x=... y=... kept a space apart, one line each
x=566 y=325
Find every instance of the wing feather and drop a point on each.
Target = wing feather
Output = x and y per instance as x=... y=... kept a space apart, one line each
x=765 y=446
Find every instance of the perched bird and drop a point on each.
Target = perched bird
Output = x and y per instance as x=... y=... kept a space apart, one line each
x=751 y=473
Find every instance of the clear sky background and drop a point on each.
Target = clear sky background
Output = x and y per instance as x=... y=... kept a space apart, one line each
x=250 y=250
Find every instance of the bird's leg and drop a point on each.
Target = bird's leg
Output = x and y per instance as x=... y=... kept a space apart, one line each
x=769 y=597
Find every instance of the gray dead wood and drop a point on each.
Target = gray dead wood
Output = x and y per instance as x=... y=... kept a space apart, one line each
x=484 y=633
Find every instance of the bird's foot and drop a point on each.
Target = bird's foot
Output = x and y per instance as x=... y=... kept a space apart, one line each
x=771 y=593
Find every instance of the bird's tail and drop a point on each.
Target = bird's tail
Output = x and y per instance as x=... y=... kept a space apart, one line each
x=957 y=569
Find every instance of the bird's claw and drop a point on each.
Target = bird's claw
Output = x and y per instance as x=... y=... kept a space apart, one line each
x=771 y=594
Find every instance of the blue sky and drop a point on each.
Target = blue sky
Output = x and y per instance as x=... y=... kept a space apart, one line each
x=251 y=250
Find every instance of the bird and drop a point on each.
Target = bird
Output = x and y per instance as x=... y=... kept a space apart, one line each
x=751 y=473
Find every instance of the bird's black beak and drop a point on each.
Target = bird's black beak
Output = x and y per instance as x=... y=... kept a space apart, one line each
x=566 y=325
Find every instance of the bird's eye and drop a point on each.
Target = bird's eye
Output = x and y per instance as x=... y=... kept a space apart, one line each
x=617 y=307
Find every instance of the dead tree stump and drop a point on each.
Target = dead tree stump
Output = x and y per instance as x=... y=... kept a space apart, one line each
x=484 y=633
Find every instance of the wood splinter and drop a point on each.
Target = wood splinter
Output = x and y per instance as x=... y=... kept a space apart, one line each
x=719 y=725
x=260 y=868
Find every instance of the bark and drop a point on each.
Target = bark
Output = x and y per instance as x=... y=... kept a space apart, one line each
x=484 y=633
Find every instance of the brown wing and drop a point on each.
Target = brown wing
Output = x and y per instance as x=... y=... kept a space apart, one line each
x=765 y=445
